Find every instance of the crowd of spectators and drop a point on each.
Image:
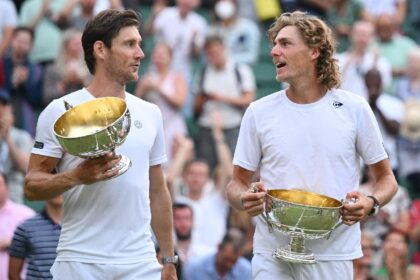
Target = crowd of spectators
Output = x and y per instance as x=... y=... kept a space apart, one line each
x=204 y=57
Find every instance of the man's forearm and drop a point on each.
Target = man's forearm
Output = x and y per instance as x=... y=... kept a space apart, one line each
x=44 y=186
x=161 y=208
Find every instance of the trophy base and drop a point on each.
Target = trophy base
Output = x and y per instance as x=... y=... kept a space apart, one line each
x=122 y=166
x=287 y=255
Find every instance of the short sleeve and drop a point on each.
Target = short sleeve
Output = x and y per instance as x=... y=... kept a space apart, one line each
x=248 y=148
x=19 y=247
x=158 y=152
x=46 y=143
x=369 y=141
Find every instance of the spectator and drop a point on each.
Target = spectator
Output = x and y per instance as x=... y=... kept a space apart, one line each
x=69 y=72
x=389 y=112
x=183 y=227
x=209 y=205
x=393 y=46
x=76 y=13
x=168 y=90
x=411 y=24
x=362 y=265
x=341 y=16
x=15 y=148
x=395 y=214
x=226 y=264
x=43 y=17
x=241 y=36
x=415 y=229
x=184 y=31
x=395 y=8
x=35 y=241
x=224 y=87
x=23 y=80
x=359 y=59
x=8 y=22
x=11 y=215
x=77 y=20
x=396 y=264
x=408 y=141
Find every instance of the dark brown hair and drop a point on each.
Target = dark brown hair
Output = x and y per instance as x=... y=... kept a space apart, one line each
x=104 y=27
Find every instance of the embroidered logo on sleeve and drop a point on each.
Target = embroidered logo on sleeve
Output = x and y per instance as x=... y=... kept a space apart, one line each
x=337 y=104
x=39 y=145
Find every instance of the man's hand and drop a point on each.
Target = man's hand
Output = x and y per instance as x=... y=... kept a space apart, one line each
x=252 y=200
x=356 y=209
x=97 y=169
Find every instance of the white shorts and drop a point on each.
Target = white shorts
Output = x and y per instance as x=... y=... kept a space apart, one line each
x=150 y=270
x=265 y=267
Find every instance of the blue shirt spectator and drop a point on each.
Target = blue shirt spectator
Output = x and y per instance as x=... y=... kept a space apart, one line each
x=226 y=264
x=35 y=241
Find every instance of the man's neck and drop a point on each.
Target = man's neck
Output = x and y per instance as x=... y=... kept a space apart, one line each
x=100 y=87
x=305 y=91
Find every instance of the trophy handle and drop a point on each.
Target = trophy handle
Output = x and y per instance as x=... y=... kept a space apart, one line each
x=341 y=222
x=267 y=217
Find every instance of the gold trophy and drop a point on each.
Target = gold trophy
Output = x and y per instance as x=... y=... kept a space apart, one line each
x=301 y=215
x=94 y=128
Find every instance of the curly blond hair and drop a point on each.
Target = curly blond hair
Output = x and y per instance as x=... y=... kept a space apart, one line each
x=316 y=35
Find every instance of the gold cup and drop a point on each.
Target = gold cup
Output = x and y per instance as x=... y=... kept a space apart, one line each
x=94 y=128
x=301 y=215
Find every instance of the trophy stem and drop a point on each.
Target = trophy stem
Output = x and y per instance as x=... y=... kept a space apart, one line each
x=122 y=166
x=295 y=252
x=297 y=244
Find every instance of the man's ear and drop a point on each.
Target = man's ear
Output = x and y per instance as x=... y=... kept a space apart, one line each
x=314 y=54
x=99 y=49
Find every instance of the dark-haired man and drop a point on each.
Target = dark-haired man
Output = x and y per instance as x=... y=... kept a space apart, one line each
x=106 y=231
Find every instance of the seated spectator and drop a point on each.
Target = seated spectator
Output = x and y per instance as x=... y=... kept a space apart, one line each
x=168 y=90
x=415 y=230
x=226 y=263
x=396 y=264
x=69 y=72
x=15 y=148
x=394 y=215
x=241 y=36
x=362 y=266
x=35 y=242
x=23 y=80
x=183 y=227
x=11 y=215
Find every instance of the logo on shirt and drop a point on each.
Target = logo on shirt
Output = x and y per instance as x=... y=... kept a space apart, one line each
x=38 y=145
x=337 y=104
x=138 y=124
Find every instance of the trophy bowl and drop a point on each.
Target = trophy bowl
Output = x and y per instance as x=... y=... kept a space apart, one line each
x=94 y=128
x=301 y=215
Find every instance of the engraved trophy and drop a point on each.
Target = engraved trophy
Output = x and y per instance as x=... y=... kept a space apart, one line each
x=301 y=215
x=94 y=128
